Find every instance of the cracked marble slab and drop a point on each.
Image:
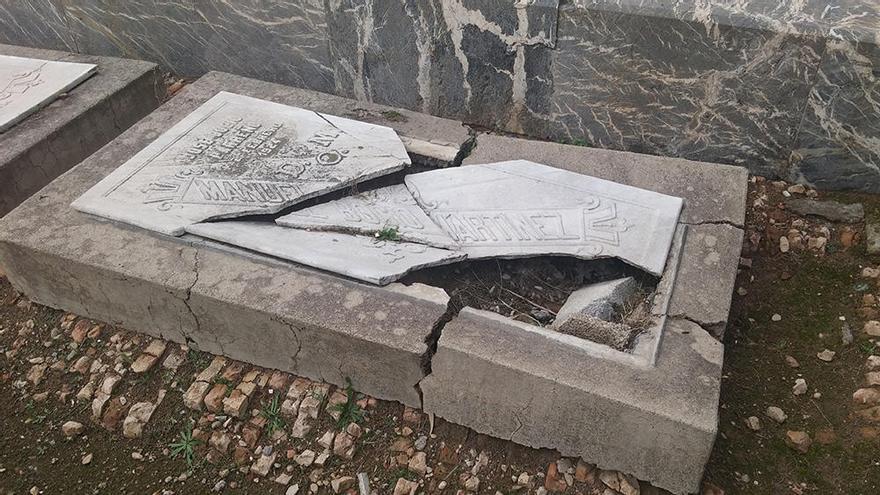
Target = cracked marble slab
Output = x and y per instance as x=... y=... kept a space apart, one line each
x=370 y=212
x=236 y=156
x=520 y=208
x=28 y=84
x=359 y=257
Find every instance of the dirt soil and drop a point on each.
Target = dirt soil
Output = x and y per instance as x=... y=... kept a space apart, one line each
x=531 y=290
x=815 y=291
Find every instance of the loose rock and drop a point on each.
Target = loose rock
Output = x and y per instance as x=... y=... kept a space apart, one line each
x=776 y=414
x=798 y=440
x=72 y=428
x=826 y=355
x=800 y=387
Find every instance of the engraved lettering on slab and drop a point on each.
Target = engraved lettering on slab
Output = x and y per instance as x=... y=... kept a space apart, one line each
x=28 y=84
x=236 y=156
x=522 y=208
x=360 y=257
x=370 y=212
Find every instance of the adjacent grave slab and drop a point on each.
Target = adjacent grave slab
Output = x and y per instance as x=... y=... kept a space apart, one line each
x=215 y=297
x=28 y=84
x=43 y=145
x=714 y=194
x=521 y=208
x=364 y=258
x=516 y=381
x=235 y=156
x=370 y=212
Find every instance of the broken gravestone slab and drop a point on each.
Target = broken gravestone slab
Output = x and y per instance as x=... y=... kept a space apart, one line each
x=236 y=156
x=521 y=208
x=602 y=300
x=28 y=84
x=364 y=258
x=590 y=313
x=391 y=207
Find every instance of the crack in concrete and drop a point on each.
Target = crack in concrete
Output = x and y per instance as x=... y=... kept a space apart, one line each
x=295 y=356
x=432 y=340
x=188 y=296
x=715 y=329
x=716 y=222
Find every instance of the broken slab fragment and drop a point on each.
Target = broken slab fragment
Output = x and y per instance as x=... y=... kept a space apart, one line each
x=601 y=300
x=370 y=212
x=236 y=155
x=28 y=84
x=521 y=208
x=615 y=335
x=364 y=258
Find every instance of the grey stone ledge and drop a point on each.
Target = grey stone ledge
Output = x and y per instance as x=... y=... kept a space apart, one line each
x=706 y=277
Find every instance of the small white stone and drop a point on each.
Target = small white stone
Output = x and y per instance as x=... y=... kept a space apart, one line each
x=826 y=355
x=784 y=244
x=800 y=387
x=776 y=414
x=753 y=423
x=776 y=317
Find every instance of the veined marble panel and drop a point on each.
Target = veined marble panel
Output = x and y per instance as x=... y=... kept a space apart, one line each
x=370 y=212
x=28 y=84
x=41 y=23
x=841 y=19
x=838 y=145
x=669 y=87
x=364 y=258
x=237 y=156
x=464 y=52
x=521 y=208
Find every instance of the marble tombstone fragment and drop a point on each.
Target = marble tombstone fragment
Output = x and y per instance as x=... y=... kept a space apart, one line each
x=236 y=156
x=361 y=257
x=372 y=211
x=28 y=84
x=521 y=208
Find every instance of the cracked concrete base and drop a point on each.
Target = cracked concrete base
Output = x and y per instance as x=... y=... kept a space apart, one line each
x=652 y=413
x=657 y=423
x=47 y=143
x=217 y=298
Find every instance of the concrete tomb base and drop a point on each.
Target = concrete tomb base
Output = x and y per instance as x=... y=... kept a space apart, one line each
x=651 y=411
x=38 y=148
